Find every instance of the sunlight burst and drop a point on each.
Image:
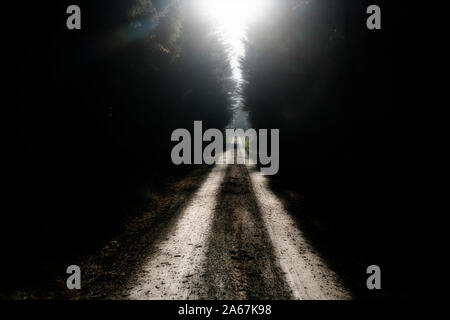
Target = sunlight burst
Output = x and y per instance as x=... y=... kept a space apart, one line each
x=233 y=15
x=231 y=18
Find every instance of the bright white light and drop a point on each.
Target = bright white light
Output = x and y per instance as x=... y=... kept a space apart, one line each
x=231 y=18
x=234 y=15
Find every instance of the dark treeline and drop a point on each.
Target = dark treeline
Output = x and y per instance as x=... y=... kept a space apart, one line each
x=93 y=124
x=348 y=102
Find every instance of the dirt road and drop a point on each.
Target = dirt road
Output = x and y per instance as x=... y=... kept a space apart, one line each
x=233 y=240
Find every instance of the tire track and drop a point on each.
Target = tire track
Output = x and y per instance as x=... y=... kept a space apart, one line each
x=173 y=270
x=306 y=273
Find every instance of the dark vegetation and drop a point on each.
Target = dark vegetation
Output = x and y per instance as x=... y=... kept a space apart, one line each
x=349 y=105
x=92 y=126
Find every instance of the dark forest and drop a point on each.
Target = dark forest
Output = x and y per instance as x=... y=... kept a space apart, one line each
x=92 y=145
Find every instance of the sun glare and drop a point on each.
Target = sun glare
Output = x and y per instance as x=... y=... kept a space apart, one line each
x=233 y=13
x=231 y=19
